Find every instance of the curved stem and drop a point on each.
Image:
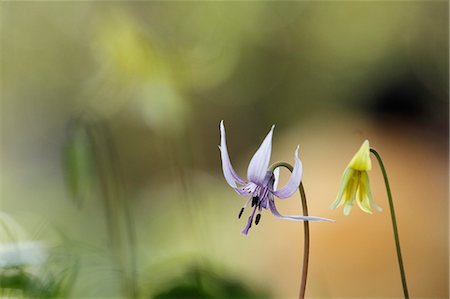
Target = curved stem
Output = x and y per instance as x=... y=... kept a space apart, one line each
x=394 y=223
x=306 y=243
x=301 y=190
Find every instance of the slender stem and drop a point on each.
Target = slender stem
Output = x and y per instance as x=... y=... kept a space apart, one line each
x=117 y=211
x=394 y=223
x=301 y=294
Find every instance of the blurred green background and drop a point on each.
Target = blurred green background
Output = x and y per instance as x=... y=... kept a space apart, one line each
x=109 y=134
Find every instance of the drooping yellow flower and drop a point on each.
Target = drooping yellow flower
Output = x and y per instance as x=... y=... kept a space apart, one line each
x=355 y=183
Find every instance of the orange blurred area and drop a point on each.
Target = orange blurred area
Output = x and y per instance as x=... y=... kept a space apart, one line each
x=355 y=257
x=111 y=179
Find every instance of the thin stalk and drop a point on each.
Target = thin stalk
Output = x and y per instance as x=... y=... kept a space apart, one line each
x=301 y=189
x=394 y=223
x=118 y=215
x=301 y=294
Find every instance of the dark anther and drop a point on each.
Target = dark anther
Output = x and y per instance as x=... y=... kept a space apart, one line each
x=258 y=217
x=240 y=213
x=255 y=201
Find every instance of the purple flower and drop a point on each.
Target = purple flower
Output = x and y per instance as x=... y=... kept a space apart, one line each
x=261 y=183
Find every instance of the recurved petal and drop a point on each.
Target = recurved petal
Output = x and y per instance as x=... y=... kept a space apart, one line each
x=260 y=162
x=275 y=212
x=294 y=181
x=228 y=172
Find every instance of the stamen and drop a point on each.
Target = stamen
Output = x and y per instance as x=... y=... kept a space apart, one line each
x=240 y=213
x=255 y=201
x=258 y=218
x=249 y=223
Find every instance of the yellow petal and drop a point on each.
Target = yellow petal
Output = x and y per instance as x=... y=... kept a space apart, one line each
x=350 y=192
x=362 y=198
x=347 y=208
x=361 y=161
x=341 y=198
x=369 y=197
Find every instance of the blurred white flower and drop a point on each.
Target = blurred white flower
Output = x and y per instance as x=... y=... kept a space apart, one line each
x=16 y=249
x=16 y=254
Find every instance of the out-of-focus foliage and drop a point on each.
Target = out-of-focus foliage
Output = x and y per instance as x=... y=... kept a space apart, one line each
x=78 y=163
x=53 y=279
x=29 y=269
x=201 y=282
x=91 y=160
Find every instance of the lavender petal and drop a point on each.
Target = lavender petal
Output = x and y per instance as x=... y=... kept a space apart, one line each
x=260 y=162
x=228 y=172
x=275 y=212
x=294 y=181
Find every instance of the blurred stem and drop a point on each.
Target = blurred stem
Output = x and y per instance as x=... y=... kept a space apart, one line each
x=304 y=276
x=117 y=210
x=394 y=223
x=179 y=147
x=123 y=204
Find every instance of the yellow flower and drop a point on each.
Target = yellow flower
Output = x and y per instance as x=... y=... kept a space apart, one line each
x=355 y=183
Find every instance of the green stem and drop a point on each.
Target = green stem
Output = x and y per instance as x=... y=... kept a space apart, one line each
x=118 y=215
x=302 y=291
x=394 y=223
